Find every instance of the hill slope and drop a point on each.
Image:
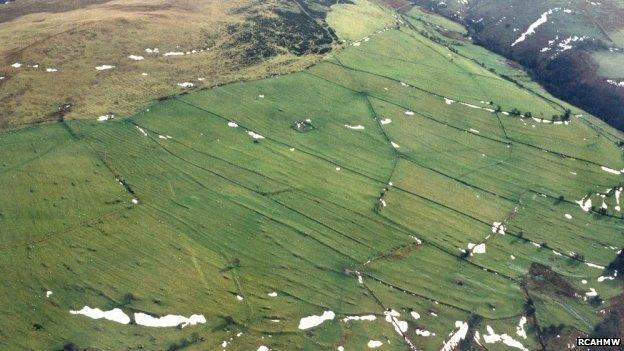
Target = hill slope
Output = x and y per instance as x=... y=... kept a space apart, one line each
x=380 y=197
x=575 y=48
x=85 y=59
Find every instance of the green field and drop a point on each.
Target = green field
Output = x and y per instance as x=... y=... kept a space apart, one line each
x=221 y=220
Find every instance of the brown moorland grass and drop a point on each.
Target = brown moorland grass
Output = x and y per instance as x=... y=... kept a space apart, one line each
x=81 y=35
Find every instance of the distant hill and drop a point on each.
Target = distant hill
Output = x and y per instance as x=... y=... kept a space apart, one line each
x=573 y=48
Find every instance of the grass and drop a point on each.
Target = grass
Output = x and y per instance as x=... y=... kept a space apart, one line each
x=220 y=215
x=355 y=22
x=609 y=64
x=77 y=40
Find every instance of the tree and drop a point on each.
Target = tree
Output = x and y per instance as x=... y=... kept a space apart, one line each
x=70 y=347
x=567 y=114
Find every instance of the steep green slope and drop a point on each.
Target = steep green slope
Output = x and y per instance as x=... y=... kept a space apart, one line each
x=574 y=48
x=212 y=203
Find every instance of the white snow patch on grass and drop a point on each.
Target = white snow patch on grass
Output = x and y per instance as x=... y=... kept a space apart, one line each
x=470 y=105
x=168 y=320
x=385 y=121
x=457 y=337
x=357 y=127
x=531 y=30
x=603 y=278
x=520 y=328
x=498 y=228
x=105 y=118
x=136 y=57
x=399 y=325
x=373 y=344
x=232 y=124
x=142 y=130
x=115 y=315
x=610 y=170
x=104 y=67
x=476 y=249
x=173 y=53
x=186 y=85
x=589 y=264
x=254 y=135
x=370 y=317
x=492 y=337
x=313 y=321
x=423 y=332
x=585 y=204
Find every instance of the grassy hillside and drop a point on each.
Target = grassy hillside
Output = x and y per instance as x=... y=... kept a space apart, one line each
x=409 y=196
x=116 y=57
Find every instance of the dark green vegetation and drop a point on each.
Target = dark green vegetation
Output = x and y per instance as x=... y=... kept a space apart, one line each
x=577 y=54
x=413 y=156
x=271 y=29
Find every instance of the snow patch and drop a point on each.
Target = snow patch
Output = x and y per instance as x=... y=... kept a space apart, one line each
x=168 y=320
x=492 y=337
x=373 y=344
x=104 y=67
x=458 y=336
x=498 y=228
x=254 y=135
x=369 y=317
x=585 y=203
x=399 y=325
x=105 y=118
x=610 y=170
x=531 y=30
x=520 y=328
x=313 y=321
x=115 y=315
